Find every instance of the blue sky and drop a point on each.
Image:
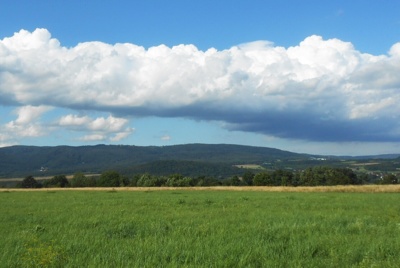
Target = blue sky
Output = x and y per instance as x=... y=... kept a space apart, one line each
x=305 y=76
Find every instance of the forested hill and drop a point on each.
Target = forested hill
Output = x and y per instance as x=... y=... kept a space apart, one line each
x=33 y=160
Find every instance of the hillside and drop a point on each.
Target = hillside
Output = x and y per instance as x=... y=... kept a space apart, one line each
x=23 y=160
x=190 y=160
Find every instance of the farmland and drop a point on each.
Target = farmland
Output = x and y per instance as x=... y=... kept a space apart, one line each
x=245 y=227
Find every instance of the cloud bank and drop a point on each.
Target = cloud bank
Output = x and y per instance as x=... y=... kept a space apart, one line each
x=319 y=90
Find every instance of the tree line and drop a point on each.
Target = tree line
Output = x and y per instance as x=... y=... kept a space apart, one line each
x=313 y=176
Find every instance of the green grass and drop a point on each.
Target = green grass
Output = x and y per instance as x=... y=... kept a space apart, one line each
x=198 y=229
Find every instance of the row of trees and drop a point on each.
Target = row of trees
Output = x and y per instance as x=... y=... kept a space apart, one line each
x=309 y=177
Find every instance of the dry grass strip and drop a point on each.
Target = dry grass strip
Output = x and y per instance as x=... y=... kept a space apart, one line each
x=305 y=189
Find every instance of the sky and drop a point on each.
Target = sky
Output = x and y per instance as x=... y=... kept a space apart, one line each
x=318 y=77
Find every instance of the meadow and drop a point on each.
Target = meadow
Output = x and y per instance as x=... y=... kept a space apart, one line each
x=207 y=228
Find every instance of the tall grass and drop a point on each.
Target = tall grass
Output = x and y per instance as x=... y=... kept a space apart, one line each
x=181 y=228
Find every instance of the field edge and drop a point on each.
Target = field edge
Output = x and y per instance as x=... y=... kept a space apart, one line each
x=340 y=188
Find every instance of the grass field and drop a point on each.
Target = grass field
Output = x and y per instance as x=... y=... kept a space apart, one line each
x=186 y=228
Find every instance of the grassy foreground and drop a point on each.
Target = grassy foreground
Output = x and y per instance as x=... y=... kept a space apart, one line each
x=183 y=228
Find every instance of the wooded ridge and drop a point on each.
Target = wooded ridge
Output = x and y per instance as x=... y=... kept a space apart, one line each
x=189 y=159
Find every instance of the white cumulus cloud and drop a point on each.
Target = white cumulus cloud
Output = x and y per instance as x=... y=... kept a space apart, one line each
x=166 y=138
x=121 y=135
x=72 y=120
x=93 y=137
x=322 y=90
x=102 y=128
x=27 y=123
x=27 y=114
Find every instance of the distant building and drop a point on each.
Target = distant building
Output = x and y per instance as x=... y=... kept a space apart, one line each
x=43 y=169
x=318 y=158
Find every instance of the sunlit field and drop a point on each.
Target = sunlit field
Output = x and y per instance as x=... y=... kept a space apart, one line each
x=229 y=227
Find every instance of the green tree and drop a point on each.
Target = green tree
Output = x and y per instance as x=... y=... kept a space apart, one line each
x=174 y=180
x=30 y=182
x=389 y=179
x=346 y=176
x=207 y=181
x=328 y=176
x=79 y=180
x=124 y=181
x=263 y=179
x=282 y=177
x=248 y=177
x=110 y=178
x=134 y=180
x=58 y=181
x=233 y=181
x=306 y=177
x=91 y=181
x=147 y=180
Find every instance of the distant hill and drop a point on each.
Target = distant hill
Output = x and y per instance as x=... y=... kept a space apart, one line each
x=33 y=160
x=380 y=156
x=217 y=160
